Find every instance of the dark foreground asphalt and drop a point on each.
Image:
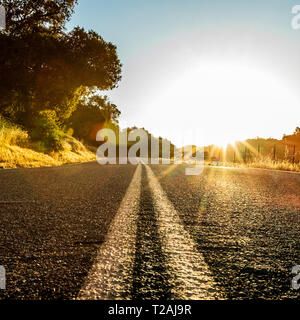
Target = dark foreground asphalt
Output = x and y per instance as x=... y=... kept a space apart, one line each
x=246 y=224
x=52 y=220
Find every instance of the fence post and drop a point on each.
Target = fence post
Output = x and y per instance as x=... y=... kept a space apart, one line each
x=2 y=17
x=274 y=155
x=294 y=154
x=2 y=278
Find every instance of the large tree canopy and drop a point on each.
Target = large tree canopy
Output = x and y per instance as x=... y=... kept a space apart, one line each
x=44 y=68
x=31 y=16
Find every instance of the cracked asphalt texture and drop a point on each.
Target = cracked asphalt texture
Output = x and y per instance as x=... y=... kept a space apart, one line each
x=246 y=224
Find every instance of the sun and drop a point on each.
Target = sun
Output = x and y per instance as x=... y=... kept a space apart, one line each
x=226 y=101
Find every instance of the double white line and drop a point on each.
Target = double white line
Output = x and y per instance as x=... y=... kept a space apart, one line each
x=111 y=275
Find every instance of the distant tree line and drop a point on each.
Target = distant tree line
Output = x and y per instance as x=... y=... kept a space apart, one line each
x=293 y=138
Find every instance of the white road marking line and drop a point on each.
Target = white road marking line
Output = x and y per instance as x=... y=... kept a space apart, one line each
x=111 y=273
x=190 y=275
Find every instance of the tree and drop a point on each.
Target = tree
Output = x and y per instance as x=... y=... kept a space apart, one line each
x=93 y=115
x=293 y=139
x=44 y=68
x=109 y=111
x=48 y=16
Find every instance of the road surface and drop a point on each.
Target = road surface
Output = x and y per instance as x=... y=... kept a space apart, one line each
x=148 y=232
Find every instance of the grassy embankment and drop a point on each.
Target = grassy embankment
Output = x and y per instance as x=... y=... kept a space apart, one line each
x=17 y=150
x=265 y=163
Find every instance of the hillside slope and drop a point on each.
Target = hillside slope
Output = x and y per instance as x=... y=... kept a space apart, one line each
x=17 y=150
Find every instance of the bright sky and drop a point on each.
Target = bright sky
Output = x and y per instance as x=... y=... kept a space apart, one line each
x=202 y=72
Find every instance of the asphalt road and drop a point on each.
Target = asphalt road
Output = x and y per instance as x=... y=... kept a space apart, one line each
x=225 y=234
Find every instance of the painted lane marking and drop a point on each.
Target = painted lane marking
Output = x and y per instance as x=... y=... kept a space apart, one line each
x=190 y=275
x=111 y=275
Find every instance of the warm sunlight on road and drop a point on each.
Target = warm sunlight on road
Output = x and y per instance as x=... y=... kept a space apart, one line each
x=148 y=232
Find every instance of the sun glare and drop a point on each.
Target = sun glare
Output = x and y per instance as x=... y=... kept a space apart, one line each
x=226 y=143
x=226 y=102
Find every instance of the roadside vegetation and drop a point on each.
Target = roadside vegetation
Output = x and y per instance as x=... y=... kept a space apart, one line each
x=260 y=164
x=18 y=150
x=50 y=80
x=275 y=165
x=261 y=153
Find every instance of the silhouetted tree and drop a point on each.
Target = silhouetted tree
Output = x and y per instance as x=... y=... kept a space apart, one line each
x=44 y=68
x=35 y=16
x=109 y=111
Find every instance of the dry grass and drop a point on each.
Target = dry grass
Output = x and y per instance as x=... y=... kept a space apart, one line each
x=275 y=165
x=12 y=135
x=73 y=151
x=14 y=157
x=16 y=150
x=265 y=163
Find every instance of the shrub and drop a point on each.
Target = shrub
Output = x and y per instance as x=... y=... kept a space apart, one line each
x=47 y=131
